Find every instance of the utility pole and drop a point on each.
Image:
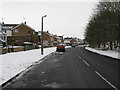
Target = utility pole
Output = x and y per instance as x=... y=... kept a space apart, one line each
x=42 y=35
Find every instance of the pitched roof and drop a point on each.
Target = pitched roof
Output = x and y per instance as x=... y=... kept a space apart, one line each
x=13 y=26
x=49 y=34
x=68 y=38
x=24 y=25
x=8 y=26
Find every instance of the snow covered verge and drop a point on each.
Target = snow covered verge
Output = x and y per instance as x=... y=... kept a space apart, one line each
x=13 y=63
x=113 y=54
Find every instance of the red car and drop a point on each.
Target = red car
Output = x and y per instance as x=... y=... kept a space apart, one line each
x=60 y=48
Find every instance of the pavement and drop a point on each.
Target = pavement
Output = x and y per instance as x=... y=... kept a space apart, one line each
x=75 y=68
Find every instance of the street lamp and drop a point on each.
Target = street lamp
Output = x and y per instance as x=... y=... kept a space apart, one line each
x=42 y=35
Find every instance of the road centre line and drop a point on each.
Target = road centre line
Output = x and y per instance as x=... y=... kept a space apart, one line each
x=106 y=80
x=86 y=63
x=79 y=56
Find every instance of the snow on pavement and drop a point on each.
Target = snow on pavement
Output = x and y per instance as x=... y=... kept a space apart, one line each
x=113 y=54
x=13 y=63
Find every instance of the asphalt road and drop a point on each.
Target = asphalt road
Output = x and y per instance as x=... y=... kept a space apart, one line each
x=75 y=68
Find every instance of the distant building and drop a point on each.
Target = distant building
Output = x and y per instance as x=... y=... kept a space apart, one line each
x=59 y=39
x=68 y=40
x=48 y=39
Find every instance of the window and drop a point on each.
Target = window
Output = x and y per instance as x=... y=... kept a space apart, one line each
x=16 y=30
x=29 y=32
x=33 y=32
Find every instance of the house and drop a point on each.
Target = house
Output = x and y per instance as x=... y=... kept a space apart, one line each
x=48 y=39
x=7 y=28
x=68 y=40
x=17 y=34
x=3 y=37
x=59 y=39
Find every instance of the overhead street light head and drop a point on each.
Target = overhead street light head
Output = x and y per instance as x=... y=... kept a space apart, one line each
x=45 y=16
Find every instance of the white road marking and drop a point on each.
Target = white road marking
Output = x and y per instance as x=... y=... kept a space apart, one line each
x=79 y=56
x=106 y=80
x=86 y=63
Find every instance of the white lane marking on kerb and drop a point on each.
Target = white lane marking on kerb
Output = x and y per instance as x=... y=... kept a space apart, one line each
x=106 y=80
x=86 y=63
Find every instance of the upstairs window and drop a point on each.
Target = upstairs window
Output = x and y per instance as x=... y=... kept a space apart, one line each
x=16 y=30
x=29 y=32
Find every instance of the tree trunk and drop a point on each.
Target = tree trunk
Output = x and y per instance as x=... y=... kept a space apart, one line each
x=111 y=46
x=104 y=45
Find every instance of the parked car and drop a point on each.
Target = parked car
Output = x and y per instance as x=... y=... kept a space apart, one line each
x=37 y=46
x=73 y=45
x=60 y=48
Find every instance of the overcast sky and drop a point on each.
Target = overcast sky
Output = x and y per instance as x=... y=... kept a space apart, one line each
x=63 y=18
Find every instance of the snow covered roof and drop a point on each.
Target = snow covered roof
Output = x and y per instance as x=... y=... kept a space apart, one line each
x=48 y=34
x=8 y=26
x=13 y=26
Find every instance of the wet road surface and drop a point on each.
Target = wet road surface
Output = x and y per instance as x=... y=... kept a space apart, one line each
x=75 y=68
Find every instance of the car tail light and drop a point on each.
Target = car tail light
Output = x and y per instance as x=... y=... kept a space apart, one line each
x=60 y=47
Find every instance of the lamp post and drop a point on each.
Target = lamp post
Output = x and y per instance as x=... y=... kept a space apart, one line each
x=42 y=35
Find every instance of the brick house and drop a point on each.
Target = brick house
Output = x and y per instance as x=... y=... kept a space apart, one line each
x=48 y=39
x=51 y=40
x=58 y=39
x=3 y=36
x=17 y=34
x=68 y=40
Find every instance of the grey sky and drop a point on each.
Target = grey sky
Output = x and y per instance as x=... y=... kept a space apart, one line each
x=63 y=18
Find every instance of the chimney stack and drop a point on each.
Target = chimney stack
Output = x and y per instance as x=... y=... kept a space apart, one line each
x=2 y=22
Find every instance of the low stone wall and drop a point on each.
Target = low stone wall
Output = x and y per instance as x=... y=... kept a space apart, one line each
x=28 y=48
x=17 y=49
x=24 y=48
x=0 y=50
x=3 y=50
